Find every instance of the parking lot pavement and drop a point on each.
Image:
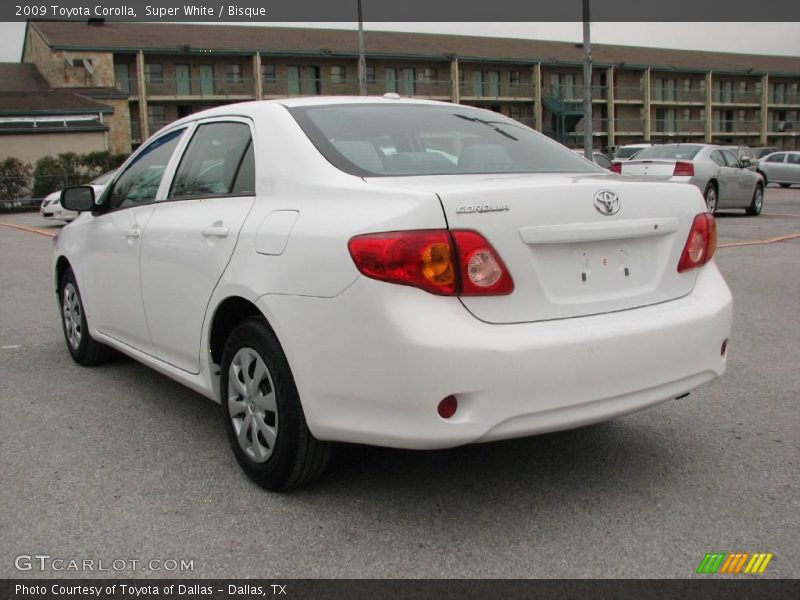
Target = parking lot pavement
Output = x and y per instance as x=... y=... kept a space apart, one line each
x=120 y=462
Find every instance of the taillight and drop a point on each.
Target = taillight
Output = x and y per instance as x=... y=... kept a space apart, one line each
x=701 y=243
x=683 y=169
x=616 y=168
x=437 y=261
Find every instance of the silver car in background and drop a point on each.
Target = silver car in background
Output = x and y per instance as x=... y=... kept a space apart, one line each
x=724 y=181
x=782 y=168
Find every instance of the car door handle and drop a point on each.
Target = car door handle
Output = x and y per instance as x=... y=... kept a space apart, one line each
x=215 y=231
x=134 y=232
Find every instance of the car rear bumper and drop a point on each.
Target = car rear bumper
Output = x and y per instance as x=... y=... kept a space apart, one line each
x=372 y=364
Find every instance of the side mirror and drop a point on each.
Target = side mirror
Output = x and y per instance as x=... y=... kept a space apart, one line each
x=79 y=198
x=745 y=162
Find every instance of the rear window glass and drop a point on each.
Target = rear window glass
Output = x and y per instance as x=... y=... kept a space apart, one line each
x=406 y=139
x=626 y=152
x=670 y=151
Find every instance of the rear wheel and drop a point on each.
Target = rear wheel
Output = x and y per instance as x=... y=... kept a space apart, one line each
x=757 y=203
x=712 y=198
x=82 y=347
x=263 y=415
x=784 y=185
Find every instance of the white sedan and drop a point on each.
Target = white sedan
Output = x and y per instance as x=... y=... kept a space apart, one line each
x=328 y=273
x=51 y=205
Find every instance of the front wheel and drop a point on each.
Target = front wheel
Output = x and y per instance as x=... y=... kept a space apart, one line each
x=82 y=347
x=711 y=198
x=757 y=203
x=264 y=419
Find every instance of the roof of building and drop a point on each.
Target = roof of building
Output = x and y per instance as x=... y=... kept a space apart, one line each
x=320 y=42
x=24 y=92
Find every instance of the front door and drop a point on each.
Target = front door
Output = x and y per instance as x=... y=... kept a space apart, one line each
x=391 y=80
x=192 y=234
x=313 y=82
x=409 y=82
x=183 y=84
x=293 y=81
x=110 y=269
x=206 y=80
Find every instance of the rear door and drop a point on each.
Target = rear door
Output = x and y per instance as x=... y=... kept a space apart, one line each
x=793 y=167
x=192 y=234
x=741 y=181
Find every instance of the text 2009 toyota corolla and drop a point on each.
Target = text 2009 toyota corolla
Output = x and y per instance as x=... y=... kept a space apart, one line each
x=392 y=272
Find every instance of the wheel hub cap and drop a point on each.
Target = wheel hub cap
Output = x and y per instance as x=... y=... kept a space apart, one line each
x=71 y=311
x=252 y=405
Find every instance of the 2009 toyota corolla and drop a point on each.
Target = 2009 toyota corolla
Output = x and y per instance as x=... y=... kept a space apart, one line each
x=393 y=272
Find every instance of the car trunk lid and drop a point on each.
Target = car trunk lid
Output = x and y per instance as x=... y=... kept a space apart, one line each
x=566 y=257
x=652 y=169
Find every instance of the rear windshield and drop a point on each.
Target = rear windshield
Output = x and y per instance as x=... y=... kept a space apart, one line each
x=626 y=152
x=670 y=151
x=406 y=139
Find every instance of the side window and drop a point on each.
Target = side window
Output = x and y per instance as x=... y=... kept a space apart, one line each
x=716 y=156
x=212 y=160
x=245 y=183
x=776 y=158
x=794 y=159
x=139 y=183
x=730 y=159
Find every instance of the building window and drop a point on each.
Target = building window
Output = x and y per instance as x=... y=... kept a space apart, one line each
x=233 y=73
x=429 y=75
x=156 y=115
x=337 y=74
x=370 y=75
x=513 y=78
x=154 y=73
x=461 y=75
x=515 y=112
x=268 y=73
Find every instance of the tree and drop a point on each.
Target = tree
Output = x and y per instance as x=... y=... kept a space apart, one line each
x=15 y=179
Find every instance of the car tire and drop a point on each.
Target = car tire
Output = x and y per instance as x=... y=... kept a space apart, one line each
x=711 y=196
x=84 y=349
x=785 y=185
x=757 y=203
x=263 y=416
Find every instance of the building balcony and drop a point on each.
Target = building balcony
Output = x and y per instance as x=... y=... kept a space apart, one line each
x=784 y=99
x=736 y=98
x=473 y=90
x=738 y=127
x=629 y=127
x=196 y=88
x=574 y=93
x=282 y=88
x=677 y=96
x=629 y=95
x=784 y=127
x=679 y=127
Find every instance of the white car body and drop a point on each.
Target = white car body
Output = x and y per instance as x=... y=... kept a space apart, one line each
x=372 y=360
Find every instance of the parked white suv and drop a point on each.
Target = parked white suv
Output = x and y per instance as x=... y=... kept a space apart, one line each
x=393 y=272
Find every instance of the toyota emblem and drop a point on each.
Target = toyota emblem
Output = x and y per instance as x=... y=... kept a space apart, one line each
x=606 y=202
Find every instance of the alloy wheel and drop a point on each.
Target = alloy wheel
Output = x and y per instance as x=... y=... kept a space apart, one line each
x=71 y=311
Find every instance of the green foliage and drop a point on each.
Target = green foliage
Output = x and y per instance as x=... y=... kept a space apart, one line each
x=14 y=179
x=55 y=173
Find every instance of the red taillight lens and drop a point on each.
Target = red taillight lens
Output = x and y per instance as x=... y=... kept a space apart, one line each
x=701 y=243
x=616 y=168
x=437 y=261
x=683 y=169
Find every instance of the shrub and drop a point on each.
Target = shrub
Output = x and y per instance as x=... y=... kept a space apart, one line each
x=14 y=179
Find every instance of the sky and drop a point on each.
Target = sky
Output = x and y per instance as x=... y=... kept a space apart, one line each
x=749 y=38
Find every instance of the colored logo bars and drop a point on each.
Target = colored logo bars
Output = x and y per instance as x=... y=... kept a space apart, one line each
x=735 y=562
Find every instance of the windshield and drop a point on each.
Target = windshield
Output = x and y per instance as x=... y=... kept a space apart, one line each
x=626 y=152
x=670 y=151
x=408 y=139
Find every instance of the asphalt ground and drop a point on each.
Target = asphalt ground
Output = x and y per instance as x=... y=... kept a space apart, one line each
x=119 y=462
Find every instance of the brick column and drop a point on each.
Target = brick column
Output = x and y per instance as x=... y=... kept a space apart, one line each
x=611 y=113
x=764 y=108
x=646 y=124
x=709 y=113
x=257 y=83
x=537 y=97
x=455 y=84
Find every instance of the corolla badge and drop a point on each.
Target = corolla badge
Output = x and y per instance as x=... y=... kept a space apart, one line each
x=482 y=208
x=606 y=202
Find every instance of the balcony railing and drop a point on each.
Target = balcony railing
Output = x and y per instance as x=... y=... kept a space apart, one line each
x=678 y=126
x=629 y=94
x=722 y=127
x=349 y=87
x=494 y=90
x=202 y=87
x=735 y=97
x=677 y=96
x=784 y=127
x=622 y=126
x=574 y=93
x=783 y=98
